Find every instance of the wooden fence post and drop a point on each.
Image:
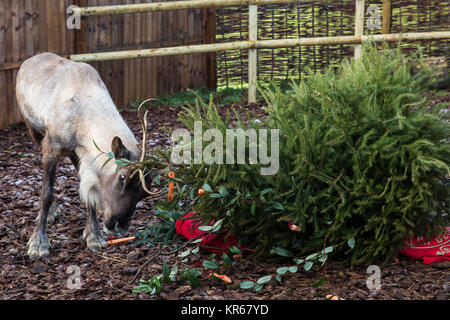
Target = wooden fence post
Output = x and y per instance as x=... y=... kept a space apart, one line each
x=210 y=59
x=80 y=34
x=387 y=16
x=359 y=25
x=252 y=53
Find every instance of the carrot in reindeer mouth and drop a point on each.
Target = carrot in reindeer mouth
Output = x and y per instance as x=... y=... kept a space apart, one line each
x=171 y=186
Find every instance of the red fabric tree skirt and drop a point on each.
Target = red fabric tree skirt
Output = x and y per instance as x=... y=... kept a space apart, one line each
x=437 y=249
x=188 y=228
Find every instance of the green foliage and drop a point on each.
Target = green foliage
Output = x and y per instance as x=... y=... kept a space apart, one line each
x=162 y=231
x=362 y=164
x=220 y=97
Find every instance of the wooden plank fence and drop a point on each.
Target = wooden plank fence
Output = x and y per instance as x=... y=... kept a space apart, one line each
x=29 y=27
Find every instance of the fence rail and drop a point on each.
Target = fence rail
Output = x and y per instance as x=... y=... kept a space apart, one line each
x=177 y=5
x=253 y=44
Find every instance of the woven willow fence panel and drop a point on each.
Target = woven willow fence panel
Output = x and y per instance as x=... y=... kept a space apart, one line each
x=332 y=18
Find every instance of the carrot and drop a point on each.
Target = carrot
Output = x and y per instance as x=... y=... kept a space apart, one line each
x=170 y=196
x=293 y=227
x=223 y=277
x=116 y=241
x=331 y=297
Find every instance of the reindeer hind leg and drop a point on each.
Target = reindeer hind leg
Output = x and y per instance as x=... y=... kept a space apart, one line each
x=35 y=135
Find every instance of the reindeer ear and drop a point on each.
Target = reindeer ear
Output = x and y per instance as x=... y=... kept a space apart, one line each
x=119 y=150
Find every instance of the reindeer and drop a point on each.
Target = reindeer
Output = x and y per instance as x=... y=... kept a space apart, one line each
x=66 y=107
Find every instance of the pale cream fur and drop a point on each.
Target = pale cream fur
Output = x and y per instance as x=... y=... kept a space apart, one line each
x=69 y=102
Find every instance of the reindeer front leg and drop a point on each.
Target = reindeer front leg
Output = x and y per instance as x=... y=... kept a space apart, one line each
x=38 y=245
x=92 y=233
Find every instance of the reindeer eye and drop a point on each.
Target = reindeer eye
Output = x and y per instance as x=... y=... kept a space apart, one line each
x=122 y=179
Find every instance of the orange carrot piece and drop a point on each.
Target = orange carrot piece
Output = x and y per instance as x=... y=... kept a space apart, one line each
x=223 y=277
x=116 y=241
x=170 y=196
x=293 y=227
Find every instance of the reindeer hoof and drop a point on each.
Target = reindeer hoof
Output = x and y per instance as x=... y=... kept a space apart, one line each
x=94 y=242
x=38 y=246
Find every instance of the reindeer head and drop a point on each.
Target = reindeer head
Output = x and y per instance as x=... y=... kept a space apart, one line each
x=121 y=192
x=124 y=189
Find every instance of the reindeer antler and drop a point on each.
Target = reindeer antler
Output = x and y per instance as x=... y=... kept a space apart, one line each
x=144 y=139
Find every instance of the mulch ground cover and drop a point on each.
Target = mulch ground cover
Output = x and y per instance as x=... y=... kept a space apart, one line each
x=107 y=274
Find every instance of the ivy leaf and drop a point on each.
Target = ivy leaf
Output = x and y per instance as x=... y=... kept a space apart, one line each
x=234 y=250
x=308 y=265
x=207 y=188
x=278 y=277
x=323 y=259
x=265 y=191
x=166 y=273
x=311 y=257
x=329 y=249
x=351 y=242
x=263 y=280
x=298 y=261
x=192 y=277
x=223 y=191
x=246 y=284
x=282 y=252
x=216 y=226
x=227 y=261
x=293 y=269
x=205 y=228
x=185 y=253
x=173 y=273
x=216 y=195
x=277 y=205
x=258 y=287
x=211 y=264
x=282 y=270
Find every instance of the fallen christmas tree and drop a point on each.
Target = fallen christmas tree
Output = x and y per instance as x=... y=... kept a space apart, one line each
x=362 y=164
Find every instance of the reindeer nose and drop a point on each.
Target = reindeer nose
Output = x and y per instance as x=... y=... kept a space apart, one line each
x=121 y=232
x=107 y=231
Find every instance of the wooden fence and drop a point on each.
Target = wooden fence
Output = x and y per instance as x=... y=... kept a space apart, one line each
x=252 y=43
x=321 y=19
x=159 y=37
x=28 y=27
